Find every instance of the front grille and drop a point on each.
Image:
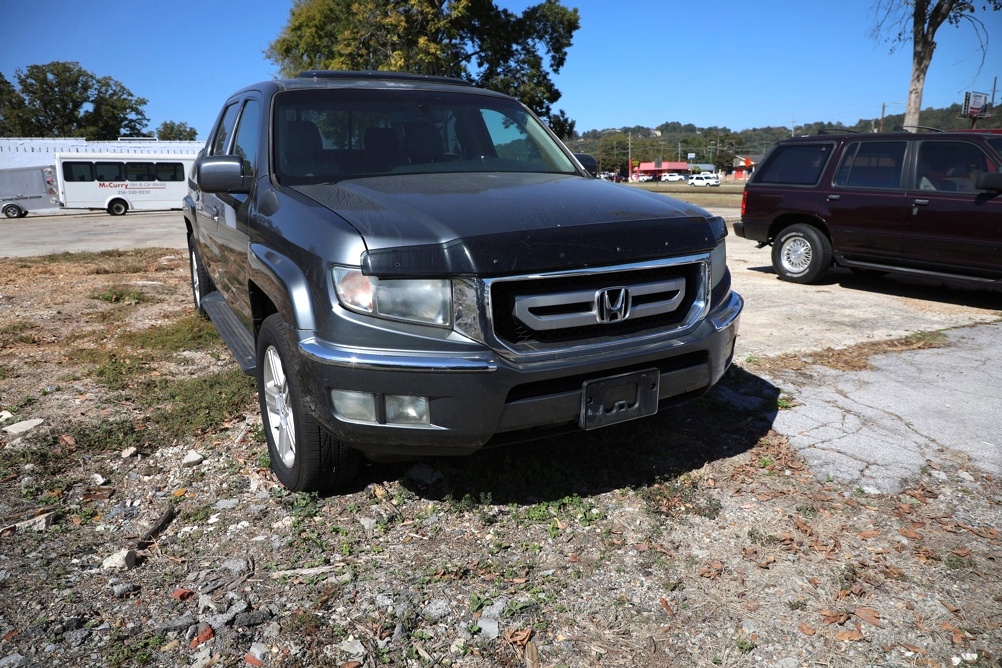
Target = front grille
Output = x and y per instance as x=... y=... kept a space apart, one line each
x=571 y=295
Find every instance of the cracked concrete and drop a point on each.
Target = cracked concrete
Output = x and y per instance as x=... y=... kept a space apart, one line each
x=878 y=428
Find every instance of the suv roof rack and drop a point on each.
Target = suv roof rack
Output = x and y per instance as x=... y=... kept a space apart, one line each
x=898 y=128
x=837 y=131
x=376 y=74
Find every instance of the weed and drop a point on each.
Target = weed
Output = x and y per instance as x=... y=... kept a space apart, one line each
x=133 y=651
x=952 y=560
x=17 y=332
x=745 y=645
x=122 y=294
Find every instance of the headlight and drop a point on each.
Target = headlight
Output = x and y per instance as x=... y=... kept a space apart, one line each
x=423 y=300
x=718 y=258
x=718 y=263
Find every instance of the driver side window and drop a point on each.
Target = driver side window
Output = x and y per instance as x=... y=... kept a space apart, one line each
x=222 y=137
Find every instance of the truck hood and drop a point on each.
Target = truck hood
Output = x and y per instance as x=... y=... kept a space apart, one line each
x=491 y=224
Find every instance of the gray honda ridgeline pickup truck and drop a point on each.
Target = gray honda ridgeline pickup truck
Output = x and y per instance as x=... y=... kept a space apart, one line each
x=413 y=266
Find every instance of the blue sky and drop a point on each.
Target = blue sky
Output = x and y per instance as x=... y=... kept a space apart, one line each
x=639 y=62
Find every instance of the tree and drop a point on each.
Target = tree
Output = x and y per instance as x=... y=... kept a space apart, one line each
x=899 y=20
x=472 y=39
x=61 y=99
x=171 y=131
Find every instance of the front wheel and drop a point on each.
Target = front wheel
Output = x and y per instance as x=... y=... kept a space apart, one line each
x=117 y=207
x=304 y=455
x=801 y=254
x=201 y=284
x=12 y=211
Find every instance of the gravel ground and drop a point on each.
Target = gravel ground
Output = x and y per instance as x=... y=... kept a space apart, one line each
x=696 y=538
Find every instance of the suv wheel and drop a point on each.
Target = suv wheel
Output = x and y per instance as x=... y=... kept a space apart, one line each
x=801 y=254
x=201 y=284
x=304 y=456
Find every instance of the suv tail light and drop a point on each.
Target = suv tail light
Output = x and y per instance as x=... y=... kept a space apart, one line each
x=744 y=201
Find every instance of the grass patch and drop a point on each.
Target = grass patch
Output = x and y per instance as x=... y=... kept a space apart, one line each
x=181 y=408
x=17 y=332
x=139 y=261
x=190 y=332
x=122 y=294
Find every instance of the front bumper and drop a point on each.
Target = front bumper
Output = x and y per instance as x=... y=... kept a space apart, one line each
x=475 y=397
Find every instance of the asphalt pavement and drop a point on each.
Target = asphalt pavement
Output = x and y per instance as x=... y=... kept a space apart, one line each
x=874 y=429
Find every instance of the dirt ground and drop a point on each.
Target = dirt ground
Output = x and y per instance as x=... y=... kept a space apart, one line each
x=697 y=538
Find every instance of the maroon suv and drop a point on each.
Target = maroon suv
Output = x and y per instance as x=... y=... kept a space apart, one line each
x=921 y=203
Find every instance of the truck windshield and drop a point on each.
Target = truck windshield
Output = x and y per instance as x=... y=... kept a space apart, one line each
x=329 y=135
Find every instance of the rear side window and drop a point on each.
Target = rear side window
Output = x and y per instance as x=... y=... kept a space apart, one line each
x=875 y=164
x=795 y=164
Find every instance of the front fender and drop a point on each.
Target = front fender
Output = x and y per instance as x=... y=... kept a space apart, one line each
x=284 y=284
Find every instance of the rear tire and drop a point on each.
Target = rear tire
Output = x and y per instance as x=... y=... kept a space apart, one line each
x=12 y=211
x=801 y=254
x=304 y=455
x=117 y=207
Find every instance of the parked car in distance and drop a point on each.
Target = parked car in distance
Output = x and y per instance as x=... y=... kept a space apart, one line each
x=704 y=180
x=674 y=177
x=925 y=204
x=412 y=266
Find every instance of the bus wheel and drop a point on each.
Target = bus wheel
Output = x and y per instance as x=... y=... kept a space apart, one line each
x=117 y=207
x=12 y=211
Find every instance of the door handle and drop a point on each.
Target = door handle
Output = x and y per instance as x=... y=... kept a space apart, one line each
x=921 y=202
x=834 y=198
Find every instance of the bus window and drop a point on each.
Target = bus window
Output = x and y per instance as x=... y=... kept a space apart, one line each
x=139 y=171
x=170 y=171
x=78 y=171
x=109 y=171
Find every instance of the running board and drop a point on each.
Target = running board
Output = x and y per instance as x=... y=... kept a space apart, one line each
x=924 y=273
x=232 y=330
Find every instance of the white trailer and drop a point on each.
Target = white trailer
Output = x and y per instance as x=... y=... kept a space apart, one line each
x=25 y=189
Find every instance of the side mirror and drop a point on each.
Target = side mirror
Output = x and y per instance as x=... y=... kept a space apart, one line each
x=989 y=181
x=221 y=174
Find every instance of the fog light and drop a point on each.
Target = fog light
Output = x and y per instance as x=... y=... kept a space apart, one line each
x=402 y=409
x=350 y=405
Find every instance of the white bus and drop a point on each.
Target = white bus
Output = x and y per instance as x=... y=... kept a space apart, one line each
x=119 y=182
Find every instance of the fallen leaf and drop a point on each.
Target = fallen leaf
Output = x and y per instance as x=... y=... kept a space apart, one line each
x=850 y=636
x=910 y=533
x=867 y=535
x=914 y=648
x=667 y=608
x=832 y=617
x=869 y=615
x=949 y=606
x=806 y=630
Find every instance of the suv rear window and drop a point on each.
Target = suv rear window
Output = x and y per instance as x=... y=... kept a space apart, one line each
x=795 y=164
x=872 y=164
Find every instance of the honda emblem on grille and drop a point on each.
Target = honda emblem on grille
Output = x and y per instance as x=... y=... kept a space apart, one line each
x=612 y=304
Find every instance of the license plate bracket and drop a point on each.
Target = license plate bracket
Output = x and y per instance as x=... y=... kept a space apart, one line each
x=616 y=399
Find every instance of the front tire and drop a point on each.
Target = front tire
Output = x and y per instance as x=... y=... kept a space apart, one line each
x=201 y=284
x=801 y=254
x=117 y=207
x=304 y=455
x=12 y=211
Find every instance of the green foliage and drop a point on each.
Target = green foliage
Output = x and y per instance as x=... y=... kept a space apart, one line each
x=171 y=131
x=61 y=99
x=473 y=39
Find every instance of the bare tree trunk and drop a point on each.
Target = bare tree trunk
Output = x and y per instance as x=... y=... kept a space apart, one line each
x=925 y=23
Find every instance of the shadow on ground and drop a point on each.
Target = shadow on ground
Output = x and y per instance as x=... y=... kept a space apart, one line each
x=900 y=285
x=727 y=421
